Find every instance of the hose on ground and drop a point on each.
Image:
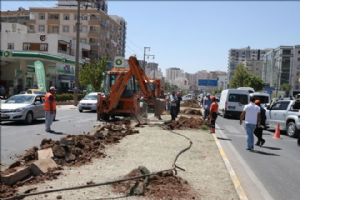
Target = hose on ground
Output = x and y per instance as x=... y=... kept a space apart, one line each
x=173 y=169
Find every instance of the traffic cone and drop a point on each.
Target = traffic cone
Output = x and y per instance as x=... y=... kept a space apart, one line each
x=277 y=132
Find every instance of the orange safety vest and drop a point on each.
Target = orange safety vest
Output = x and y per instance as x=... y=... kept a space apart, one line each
x=47 y=103
x=214 y=107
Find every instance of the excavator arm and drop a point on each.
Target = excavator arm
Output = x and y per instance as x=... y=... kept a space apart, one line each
x=106 y=105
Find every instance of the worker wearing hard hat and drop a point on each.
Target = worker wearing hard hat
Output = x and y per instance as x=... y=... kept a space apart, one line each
x=49 y=108
x=213 y=114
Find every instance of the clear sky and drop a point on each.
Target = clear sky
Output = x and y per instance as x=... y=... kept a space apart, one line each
x=197 y=35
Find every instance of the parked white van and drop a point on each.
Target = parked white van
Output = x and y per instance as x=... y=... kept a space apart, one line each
x=232 y=102
x=262 y=96
x=249 y=89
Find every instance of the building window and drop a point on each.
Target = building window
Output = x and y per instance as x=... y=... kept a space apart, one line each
x=84 y=29
x=53 y=29
x=41 y=28
x=84 y=17
x=66 y=17
x=31 y=29
x=83 y=40
x=41 y=16
x=43 y=47
x=10 y=46
x=65 y=29
x=53 y=16
x=26 y=46
x=62 y=46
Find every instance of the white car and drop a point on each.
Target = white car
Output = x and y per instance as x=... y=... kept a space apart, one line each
x=89 y=102
x=187 y=97
x=22 y=107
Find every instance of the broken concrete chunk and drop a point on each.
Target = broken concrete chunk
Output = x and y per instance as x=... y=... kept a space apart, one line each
x=42 y=166
x=58 y=151
x=66 y=141
x=18 y=174
x=70 y=157
x=45 y=153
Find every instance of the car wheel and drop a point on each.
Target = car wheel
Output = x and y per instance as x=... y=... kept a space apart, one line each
x=291 y=129
x=29 y=118
x=225 y=115
x=80 y=110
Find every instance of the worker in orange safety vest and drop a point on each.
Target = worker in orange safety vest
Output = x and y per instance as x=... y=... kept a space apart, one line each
x=49 y=108
x=213 y=114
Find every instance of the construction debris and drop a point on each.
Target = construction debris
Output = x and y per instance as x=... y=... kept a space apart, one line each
x=190 y=111
x=190 y=103
x=185 y=123
x=73 y=150
x=164 y=185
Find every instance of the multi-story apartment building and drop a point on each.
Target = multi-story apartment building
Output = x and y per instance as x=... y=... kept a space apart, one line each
x=237 y=56
x=152 y=70
x=282 y=65
x=254 y=67
x=192 y=80
x=174 y=73
x=97 y=4
x=19 y=50
x=221 y=77
x=105 y=34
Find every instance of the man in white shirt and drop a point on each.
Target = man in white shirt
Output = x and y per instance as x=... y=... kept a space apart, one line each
x=251 y=113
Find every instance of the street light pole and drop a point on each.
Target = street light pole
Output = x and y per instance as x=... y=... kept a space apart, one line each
x=77 y=51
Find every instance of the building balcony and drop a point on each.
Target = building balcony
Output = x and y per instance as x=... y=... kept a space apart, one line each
x=53 y=21
x=94 y=22
x=94 y=34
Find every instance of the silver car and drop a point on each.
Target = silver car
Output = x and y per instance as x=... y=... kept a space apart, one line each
x=23 y=107
x=89 y=102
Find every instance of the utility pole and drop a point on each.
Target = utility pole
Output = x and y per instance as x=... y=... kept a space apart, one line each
x=145 y=48
x=77 y=52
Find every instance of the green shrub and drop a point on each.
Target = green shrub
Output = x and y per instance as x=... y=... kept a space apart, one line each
x=67 y=97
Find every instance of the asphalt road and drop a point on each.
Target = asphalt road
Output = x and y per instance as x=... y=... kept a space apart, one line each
x=270 y=172
x=17 y=137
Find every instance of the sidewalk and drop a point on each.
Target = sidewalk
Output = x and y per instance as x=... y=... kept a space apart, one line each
x=155 y=149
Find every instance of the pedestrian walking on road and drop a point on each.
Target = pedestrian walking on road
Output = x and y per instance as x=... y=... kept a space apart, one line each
x=251 y=113
x=49 y=108
x=206 y=106
x=173 y=105
x=213 y=114
x=258 y=132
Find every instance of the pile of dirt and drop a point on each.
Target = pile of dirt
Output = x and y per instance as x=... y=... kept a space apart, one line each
x=190 y=111
x=80 y=149
x=191 y=104
x=72 y=150
x=164 y=185
x=185 y=123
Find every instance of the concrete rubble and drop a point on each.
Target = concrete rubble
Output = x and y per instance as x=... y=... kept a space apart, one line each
x=164 y=185
x=185 y=123
x=38 y=165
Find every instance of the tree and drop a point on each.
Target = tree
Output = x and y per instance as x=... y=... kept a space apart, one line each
x=287 y=88
x=168 y=87
x=242 y=78
x=91 y=73
x=256 y=83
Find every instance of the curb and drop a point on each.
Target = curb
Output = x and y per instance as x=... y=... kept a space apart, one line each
x=237 y=186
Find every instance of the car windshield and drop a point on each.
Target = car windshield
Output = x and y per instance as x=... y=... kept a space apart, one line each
x=242 y=98
x=20 y=99
x=263 y=99
x=90 y=97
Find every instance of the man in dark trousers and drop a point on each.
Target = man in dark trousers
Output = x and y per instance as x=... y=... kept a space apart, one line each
x=258 y=132
x=173 y=105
